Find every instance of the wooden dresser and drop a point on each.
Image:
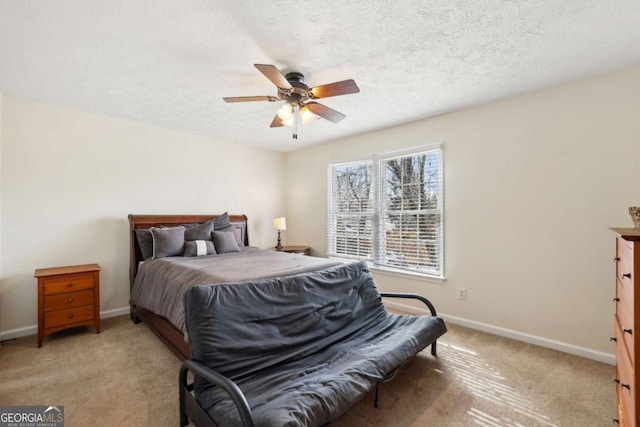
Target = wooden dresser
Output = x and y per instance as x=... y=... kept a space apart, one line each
x=627 y=325
x=68 y=297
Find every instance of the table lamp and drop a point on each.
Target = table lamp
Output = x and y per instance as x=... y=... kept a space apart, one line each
x=279 y=224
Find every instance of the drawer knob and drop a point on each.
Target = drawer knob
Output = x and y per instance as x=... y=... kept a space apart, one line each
x=616 y=299
x=70 y=300
x=616 y=421
x=628 y=331
x=617 y=381
x=627 y=275
x=613 y=339
x=70 y=285
x=616 y=259
x=70 y=316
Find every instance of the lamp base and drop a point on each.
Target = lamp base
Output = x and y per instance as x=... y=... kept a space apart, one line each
x=279 y=244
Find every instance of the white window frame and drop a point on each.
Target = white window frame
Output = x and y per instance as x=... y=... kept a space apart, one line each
x=333 y=212
x=378 y=168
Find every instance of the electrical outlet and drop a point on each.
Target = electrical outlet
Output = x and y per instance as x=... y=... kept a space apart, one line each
x=462 y=294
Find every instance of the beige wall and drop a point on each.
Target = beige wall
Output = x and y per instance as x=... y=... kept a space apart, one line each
x=69 y=179
x=531 y=185
x=1 y=274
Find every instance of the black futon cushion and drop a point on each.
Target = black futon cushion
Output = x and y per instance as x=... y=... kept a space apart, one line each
x=302 y=348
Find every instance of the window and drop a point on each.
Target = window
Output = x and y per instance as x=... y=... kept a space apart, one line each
x=389 y=211
x=351 y=210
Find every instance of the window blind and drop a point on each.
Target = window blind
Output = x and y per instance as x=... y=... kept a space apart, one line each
x=389 y=210
x=351 y=210
x=409 y=235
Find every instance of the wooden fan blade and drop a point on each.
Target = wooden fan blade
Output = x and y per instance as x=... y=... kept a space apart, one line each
x=250 y=98
x=344 y=87
x=273 y=74
x=325 y=112
x=277 y=122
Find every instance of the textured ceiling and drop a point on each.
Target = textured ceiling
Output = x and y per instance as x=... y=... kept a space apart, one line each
x=170 y=62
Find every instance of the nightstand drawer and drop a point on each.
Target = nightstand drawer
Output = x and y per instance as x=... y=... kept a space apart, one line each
x=68 y=300
x=53 y=319
x=71 y=282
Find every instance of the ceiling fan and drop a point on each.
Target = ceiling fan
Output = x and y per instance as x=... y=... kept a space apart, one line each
x=300 y=98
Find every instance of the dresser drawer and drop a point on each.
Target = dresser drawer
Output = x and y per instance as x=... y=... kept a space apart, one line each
x=625 y=317
x=624 y=266
x=71 y=282
x=68 y=316
x=68 y=300
x=624 y=411
x=626 y=387
x=623 y=417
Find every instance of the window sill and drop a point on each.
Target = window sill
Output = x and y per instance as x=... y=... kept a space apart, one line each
x=405 y=274
x=397 y=272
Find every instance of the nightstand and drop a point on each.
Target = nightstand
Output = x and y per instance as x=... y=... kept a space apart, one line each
x=304 y=250
x=68 y=297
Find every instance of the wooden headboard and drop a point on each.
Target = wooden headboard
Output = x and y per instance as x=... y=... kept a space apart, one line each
x=147 y=221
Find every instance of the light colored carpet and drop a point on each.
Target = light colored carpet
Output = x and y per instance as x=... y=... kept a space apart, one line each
x=125 y=376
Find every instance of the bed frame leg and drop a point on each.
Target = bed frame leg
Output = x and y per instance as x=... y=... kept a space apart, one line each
x=182 y=383
x=375 y=399
x=133 y=316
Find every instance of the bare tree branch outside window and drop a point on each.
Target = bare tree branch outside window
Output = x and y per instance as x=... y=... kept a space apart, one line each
x=392 y=217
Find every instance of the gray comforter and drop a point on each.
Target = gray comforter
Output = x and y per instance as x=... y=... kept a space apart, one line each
x=161 y=283
x=303 y=348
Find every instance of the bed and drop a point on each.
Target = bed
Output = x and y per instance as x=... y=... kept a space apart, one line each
x=158 y=286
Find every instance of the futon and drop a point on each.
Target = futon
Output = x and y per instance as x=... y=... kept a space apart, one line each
x=298 y=350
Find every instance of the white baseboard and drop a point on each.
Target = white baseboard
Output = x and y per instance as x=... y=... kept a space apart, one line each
x=115 y=312
x=20 y=332
x=599 y=356
x=608 y=358
x=33 y=329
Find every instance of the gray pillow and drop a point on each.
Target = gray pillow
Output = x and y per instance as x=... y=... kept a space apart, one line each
x=237 y=230
x=225 y=242
x=199 y=248
x=167 y=241
x=145 y=242
x=200 y=231
x=221 y=222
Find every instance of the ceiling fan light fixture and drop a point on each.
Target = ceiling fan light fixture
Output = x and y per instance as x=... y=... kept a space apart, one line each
x=300 y=105
x=306 y=115
x=286 y=112
x=289 y=122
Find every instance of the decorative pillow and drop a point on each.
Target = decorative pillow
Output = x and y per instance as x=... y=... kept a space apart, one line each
x=167 y=241
x=199 y=248
x=237 y=230
x=145 y=242
x=225 y=242
x=222 y=221
x=200 y=231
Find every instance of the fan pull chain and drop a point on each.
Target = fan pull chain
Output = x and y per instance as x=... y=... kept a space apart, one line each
x=295 y=121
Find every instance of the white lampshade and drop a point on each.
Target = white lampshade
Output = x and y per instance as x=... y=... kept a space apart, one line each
x=280 y=223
